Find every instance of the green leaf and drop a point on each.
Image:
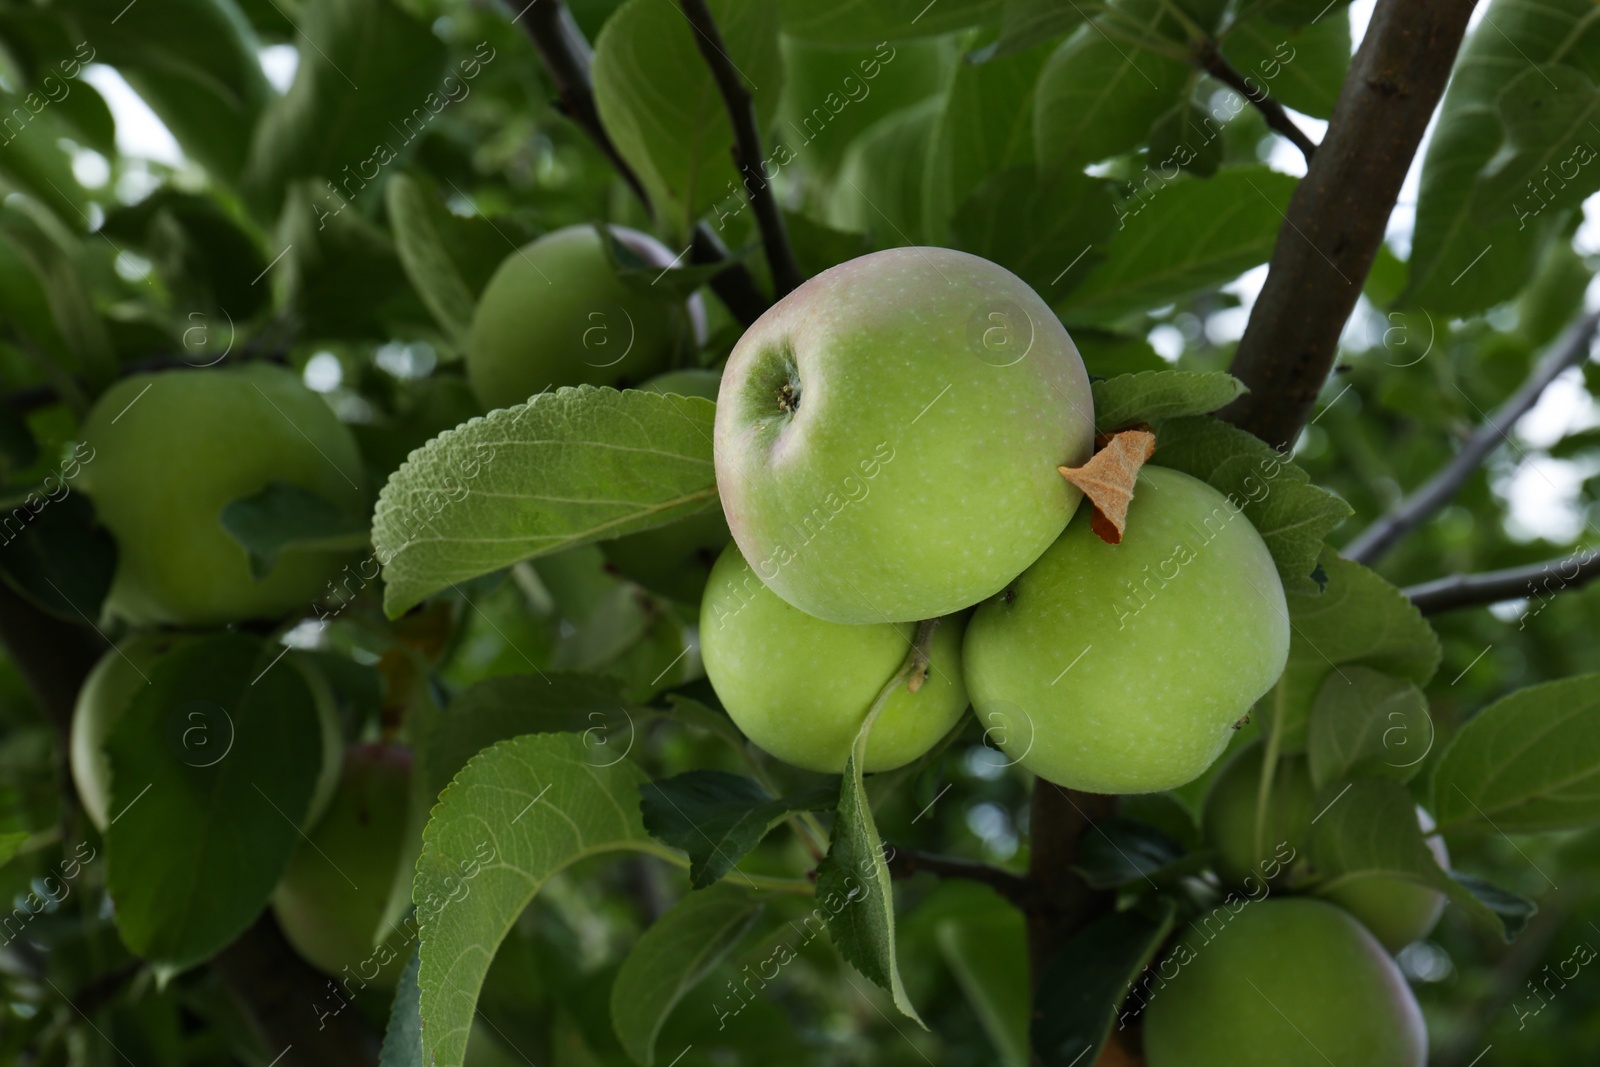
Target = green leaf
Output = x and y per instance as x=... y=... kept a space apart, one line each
x=1160 y=394
x=283 y=517
x=539 y=803
x=425 y=258
x=854 y=888
x=1512 y=910
x=1370 y=829
x=717 y=817
x=62 y=560
x=1460 y=263
x=883 y=177
x=1368 y=723
x=341 y=272
x=1085 y=983
x=1359 y=619
x=1026 y=23
x=1122 y=851
x=986 y=126
x=205 y=255
x=678 y=142
x=1300 y=68
x=986 y=948
x=402 y=1037
x=1527 y=763
x=1179 y=237
x=10 y=843
x=1043 y=230
x=198 y=840
x=1098 y=94
x=1548 y=115
x=567 y=468
x=1291 y=515
x=365 y=91
x=1185 y=139
x=853 y=22
x=194 y=62
x=512 y=705
x=818 y=246
x=674 y=955
x=54 y=256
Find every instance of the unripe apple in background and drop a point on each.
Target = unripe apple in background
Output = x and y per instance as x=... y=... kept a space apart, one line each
x=171 y=450
x=1123 y=668
x=800 y=687
x=1398 y=911
x=335 y=893
x=675 y=560
x=556 y=313
x=109 y=691
x=1230 y=818
x=888 y=434
x=1279 y=983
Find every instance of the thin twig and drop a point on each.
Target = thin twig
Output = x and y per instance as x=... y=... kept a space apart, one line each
x=1422 y=502
x=747 y=155
x=1209 y=58
x=905 y=862
x=1493 y=587
x=566 y=56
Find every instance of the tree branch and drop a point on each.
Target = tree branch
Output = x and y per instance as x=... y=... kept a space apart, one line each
x=1057 y=822
x=1209 y=58
x=280 y=993
x=566 y=56
x=1494 y=587
x=747 y=155
x=904 y=863
x=1337 y=216
x=1422 y=502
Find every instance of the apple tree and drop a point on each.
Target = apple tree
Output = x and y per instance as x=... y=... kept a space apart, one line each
x=686 y=532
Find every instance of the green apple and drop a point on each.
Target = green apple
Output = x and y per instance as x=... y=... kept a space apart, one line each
x=1280 y=983
x=1123 y=668
x=171 y=450
x=888 y=434
x=109 y=691
x=674 y=560
x=333 y=900
x=800 y=687
x=556 y=313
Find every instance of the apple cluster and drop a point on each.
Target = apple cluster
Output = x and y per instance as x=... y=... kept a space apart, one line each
x=888 y=441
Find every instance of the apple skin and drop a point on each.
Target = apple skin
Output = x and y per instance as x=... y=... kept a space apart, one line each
x=167 y=462
x=1396 y=910
x=109 y=691
x=555 y=313
x=800 y=687
x=1281 y=983
x=674 y=560
x=1098 y=684
x=361 y=839
x=888 y=434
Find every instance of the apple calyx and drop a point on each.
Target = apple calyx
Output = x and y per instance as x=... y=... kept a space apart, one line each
x=1108 y=478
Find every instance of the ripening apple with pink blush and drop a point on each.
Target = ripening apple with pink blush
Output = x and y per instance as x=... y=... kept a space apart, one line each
x=888 y=436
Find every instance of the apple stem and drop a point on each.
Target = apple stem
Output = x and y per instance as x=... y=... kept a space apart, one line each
x=918 y=658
